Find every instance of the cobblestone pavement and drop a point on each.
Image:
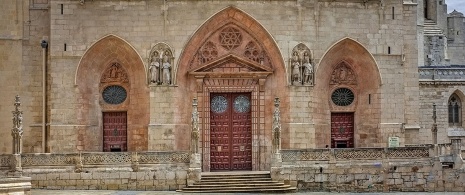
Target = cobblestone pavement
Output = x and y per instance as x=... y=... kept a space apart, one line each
x=111 y=192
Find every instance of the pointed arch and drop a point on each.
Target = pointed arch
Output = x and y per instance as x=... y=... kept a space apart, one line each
x=345 y=50
x=89 y=75
x=361 y=75
x=237 y=17
x=454 y=108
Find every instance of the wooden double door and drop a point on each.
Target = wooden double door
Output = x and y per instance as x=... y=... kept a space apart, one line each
x=342 y=130
x=114 y=131
x=230 y=132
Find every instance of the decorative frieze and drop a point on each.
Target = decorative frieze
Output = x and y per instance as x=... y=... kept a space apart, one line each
x=442 y=75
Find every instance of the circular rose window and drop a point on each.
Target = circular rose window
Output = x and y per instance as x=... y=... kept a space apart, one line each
x=219 y=104
x=241 y=104
x=342 y=97
x=114 y=94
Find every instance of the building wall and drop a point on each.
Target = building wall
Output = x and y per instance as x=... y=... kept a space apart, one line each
x=142 y=24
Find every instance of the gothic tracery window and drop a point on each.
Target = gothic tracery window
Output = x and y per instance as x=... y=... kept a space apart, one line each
x=455 y=110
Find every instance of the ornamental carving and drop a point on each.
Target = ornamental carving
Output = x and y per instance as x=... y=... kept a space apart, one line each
x=301 y=65
x=227 y=40
x=161 y=62
x=344 y=75
x=208 y=52
x=230 y=38
x=276 y=127
x=115 y=73
x=17 y=130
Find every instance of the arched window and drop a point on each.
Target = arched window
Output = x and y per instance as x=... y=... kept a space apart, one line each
x=455 y=111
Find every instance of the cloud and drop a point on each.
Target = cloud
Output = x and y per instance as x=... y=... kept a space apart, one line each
x=458 y=5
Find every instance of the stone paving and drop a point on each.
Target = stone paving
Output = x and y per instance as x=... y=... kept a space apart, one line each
x=111 y=192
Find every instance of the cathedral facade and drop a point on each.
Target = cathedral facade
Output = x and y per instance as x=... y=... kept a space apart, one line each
x=123 y=75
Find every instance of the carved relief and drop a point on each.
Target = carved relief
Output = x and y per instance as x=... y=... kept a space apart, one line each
x=276 y=127
x=343 y=74
x=301 y=66
x=114 y=73
x=252 y=52
x=161 y=65
x=17 y=130
x=230 y=39
x=208 y=52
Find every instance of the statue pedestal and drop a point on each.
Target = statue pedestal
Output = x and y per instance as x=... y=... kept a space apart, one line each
x=194 y=172
x=15 y=165
x=276 y=167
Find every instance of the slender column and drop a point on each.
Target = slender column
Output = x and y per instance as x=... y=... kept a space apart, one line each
x=17 y=133
x=276 y=160
x=194 y=173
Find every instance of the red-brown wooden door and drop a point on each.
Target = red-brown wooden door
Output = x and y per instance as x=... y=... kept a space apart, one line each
x=342 y=130
x=230 y=132
x=114 y=131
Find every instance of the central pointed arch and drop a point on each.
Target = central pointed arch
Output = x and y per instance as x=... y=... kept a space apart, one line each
x=230 y=15
x=233 y=54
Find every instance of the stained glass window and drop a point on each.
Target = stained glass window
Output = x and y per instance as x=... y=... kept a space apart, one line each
x=114 y=94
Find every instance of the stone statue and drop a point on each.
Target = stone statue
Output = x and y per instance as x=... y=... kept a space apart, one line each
x=166 y=69
x=155 y=69
x=195 y=127
x=17 y=130
x=276 y=127
x=295 y=68
x=308 y=69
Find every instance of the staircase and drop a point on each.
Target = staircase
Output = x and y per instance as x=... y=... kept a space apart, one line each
x=245 y=182
x=431 y=28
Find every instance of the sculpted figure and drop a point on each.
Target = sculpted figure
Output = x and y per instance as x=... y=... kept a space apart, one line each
x=154 y=70
x=308 y=69
x=295 y=68
x=166 y=70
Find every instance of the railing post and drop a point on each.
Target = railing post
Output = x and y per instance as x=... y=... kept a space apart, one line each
x=276 y=160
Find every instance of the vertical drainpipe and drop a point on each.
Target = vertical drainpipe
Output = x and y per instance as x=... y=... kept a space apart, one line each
x=44 y=45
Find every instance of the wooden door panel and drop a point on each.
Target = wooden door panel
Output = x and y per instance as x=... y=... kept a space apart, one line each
x=342 y=130
x=230 y=136
x=114 y=131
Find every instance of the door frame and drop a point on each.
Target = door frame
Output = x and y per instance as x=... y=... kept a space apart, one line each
x=206 y=86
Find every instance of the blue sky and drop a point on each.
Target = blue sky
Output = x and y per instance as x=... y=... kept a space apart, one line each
x=459 y=5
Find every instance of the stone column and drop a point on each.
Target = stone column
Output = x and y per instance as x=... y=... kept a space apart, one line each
x=276 y=159
x=195 y=164
x=17 y=133
x=434 y=131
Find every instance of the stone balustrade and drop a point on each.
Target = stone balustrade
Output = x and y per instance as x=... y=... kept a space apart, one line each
x=442 y=74
x=356 y=153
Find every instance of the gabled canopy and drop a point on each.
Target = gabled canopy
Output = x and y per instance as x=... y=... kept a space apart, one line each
x=232 y=66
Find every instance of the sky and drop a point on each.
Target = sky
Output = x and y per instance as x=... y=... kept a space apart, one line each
x=458 y=5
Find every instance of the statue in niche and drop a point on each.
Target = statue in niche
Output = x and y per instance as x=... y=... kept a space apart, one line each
x=308 y=69
x=155 y=69
x=296 y=73
x=166 y=68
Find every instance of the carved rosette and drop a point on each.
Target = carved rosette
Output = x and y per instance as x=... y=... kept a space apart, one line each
x=301 y=66
x=276 y=127
x=161 y=65
x=17 y=130
x=230 y=39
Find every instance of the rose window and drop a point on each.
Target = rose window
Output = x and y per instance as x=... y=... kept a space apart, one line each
x=342 y=97
x=114 y=94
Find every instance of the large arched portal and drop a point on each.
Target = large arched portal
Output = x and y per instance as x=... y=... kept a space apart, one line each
x=234 y=68
x=113 y=98
x=350 y=113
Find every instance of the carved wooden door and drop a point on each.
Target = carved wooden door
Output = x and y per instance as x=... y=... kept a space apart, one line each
x=114 y=131
x=230 y=132
x=342 y=130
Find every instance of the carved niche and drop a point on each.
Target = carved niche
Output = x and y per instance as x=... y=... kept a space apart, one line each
x=301 y=66
x=230 y=40
x=343 y=75
x=161 y=65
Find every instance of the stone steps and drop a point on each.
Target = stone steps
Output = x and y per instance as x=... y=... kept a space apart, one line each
x=241 y=182
x=431 y=28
